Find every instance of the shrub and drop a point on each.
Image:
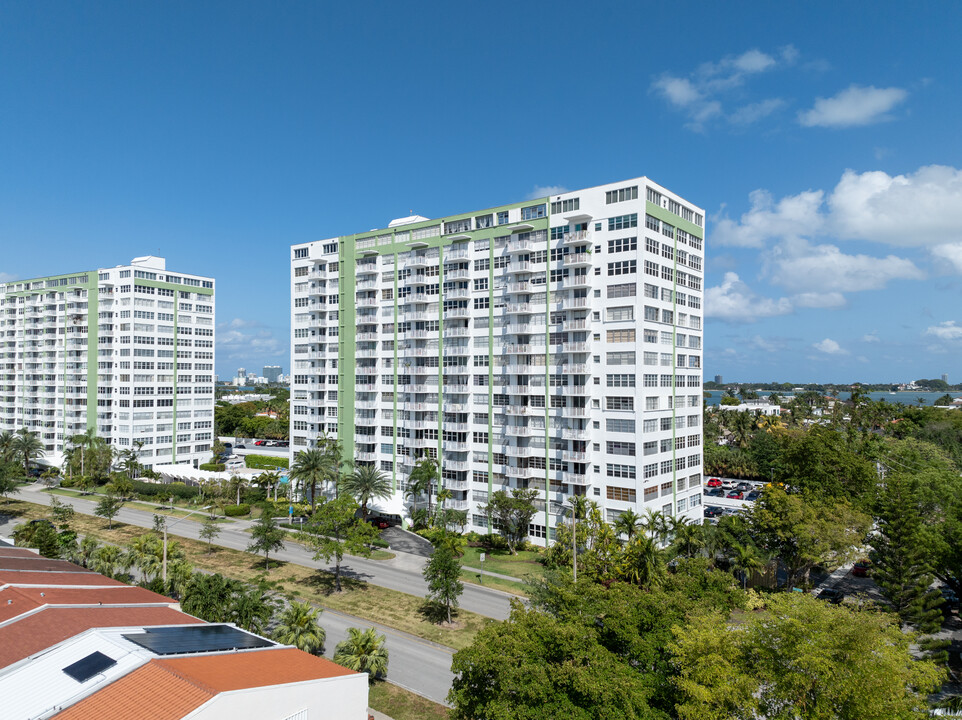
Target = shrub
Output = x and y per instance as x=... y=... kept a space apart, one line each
x=213 y=467
x=237 y=510
x=378 y=542
x=67 y=482
x=472 y=537
x=165 y=490
x=265 y=462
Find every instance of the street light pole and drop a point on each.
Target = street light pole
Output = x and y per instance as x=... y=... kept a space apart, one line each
x=164 y=565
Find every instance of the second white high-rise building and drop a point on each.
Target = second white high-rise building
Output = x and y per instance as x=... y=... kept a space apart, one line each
x=553 y=344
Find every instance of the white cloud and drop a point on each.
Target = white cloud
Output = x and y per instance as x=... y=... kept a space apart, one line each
x=541 y=191
x=804 y=268
x=830 y=347
x=952 y=252
x=699 y=94
x=6 y=277
x=792 y=216
x=870 y=338
x=947 y=330
x=852 y=107
x=821 y=300
x=748 y=114
x=734 y=301
x=236 y=345
x=760 y=343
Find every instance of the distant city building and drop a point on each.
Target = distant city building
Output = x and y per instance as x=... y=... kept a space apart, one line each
x=126 y=351
x=241 y=372
x=945 y=377
x=272 y=373
x=551 y=344
x=719 y=380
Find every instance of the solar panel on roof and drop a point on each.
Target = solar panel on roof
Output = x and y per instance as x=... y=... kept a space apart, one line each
x=85 y=668
x=195 y=639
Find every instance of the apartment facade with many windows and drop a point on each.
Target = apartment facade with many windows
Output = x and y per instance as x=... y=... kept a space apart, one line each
x=553 y=344
x=127 y=351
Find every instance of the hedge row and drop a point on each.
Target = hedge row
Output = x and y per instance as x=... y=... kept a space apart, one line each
x=237 y=510
x=214 y=467
x=165 y=490
x=265 y=462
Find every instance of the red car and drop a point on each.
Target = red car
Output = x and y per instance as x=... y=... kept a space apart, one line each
x=261 y=442
x=736 y=495
x=860 y=569
x=714 y=482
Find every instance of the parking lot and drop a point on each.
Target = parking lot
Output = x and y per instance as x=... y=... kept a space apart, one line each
x=717 y=502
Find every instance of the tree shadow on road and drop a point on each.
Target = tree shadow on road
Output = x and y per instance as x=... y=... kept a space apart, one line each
x=323 y=582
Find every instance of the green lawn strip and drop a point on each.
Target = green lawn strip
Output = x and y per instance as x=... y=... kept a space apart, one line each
x=523 y=565
x=515 y=588
x=381 y=605
x=401 y=704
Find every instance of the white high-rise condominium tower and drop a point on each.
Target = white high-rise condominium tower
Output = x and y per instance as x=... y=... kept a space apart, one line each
x=553 y=344
x=127 y=351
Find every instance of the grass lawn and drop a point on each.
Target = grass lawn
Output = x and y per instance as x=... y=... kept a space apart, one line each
x=402 y=704
x=523 y=565
x=388 y=607
x=515 y=588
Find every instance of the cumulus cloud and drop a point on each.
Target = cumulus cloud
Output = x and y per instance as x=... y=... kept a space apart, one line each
x=830 y=347
x=698 y=94
x=234 y=344
x=951 y=252
x=804 y=268
x=792 y=216
x=734 y=301
x=870 y=338
x=541 y=191
x=852 y=107
x=947 y=330
x=6 y=277
x=821 y=300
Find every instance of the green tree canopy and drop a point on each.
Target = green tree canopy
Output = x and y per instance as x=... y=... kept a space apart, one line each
x=266 y=537
x=335 y=530
x=363 y=651
x=513 y=512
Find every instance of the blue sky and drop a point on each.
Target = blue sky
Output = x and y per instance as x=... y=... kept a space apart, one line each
x=821 y=138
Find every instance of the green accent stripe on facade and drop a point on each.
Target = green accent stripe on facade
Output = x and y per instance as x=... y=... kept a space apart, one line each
x=346 y=347
x=674 y=220
x=93 y=344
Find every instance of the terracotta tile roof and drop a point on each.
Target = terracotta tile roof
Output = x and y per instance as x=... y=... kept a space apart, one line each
x=259 y=668
x=38 y=562
x=22 y=638
x=17 y=552
x=15 y=601
x=170 y=689
x=30 y=577
x=150 y=692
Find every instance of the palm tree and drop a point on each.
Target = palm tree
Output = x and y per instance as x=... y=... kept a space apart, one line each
x=746 y=560
x=310 y=468
x=367 y=483
x=7 y=445
x=86 y=552
x=107 y=560
x=642 y=562
x=299 y=627
x=27 y=446
x=252 y=609
x=656 y=525
x=628 y=524
x=578 y=511
x=711 y=542
x=363 y=651
x=422 y=478
x=688 y=538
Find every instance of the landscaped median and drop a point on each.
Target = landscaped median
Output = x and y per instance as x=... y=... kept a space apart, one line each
x=370 y=602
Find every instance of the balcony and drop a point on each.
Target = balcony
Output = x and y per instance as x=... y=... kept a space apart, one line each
x=520 y=308
x=457 y=275
x=459 y=505
x=367 y=302
x=520 y=245
x=521 y=266
x=455 y=332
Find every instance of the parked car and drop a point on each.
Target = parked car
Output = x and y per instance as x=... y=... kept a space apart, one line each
x=736 y=495
x=833 y=595
x=241 y=447
x=744 y=486
x=712 y=511
x=728 y=484
x=715 y=492
x=861 y=568
x=284 y=443
x=714 y=483
x=260 y=442
x=753 y=495
x=379 y=522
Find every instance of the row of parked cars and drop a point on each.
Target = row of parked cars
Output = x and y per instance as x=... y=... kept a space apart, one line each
x=266 y=443
x=733 y=490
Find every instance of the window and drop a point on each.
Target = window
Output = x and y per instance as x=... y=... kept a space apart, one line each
x=622 y=194
x=618 y=402
x=627 y=244
x=623 y=267
x=620 y=380
x=457 y=226
x=533 y=212
x=621 y=358
x=481 y=222
x=503 y=217
x=621 y=494
x=300 y=253
x=619 y=425
x=623 y=222
x=563 y=206
x=620 y=336
x=618 y=447
x=619 y=314
x=621 y=471
x=622 y=290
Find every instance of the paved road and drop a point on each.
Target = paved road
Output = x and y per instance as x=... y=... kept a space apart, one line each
x=403 y=573
x=418 y=665
x=401 y=540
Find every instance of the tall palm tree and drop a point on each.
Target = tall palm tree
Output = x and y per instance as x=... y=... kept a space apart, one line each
x=642 y=562
x=7 y=445
x=422 y=478
x=578 y=510
x=363 y=651
x=106 y=560
x=656 y=524
x=746 y=559
x=711 y=542
x=309 y=469
x=299 y=627
x=628 y=524
x=27 y=447
x=367 y=483
x=688 y=538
